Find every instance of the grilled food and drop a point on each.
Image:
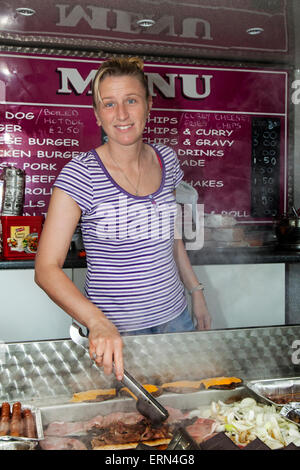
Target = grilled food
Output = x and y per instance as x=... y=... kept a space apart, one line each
x=95 y=395
x=189 y=386
x=222 y=383
x=16 y=421
x=182 y=386
x=154 y=390
x=122 y=430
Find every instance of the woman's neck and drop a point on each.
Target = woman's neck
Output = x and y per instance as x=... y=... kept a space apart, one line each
x=125 y=155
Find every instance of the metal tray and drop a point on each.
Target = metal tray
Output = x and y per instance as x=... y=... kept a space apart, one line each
x=83 y=411
x=272 y=389
x=18 y=445
x=36 y=412
x=86 y=410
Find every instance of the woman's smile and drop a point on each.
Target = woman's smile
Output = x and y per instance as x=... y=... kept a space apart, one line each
x=124 y=127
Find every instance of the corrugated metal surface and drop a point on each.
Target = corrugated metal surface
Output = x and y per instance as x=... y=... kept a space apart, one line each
x=57 y=369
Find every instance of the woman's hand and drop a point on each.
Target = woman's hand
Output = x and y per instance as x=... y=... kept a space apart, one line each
x=200 y=312
x=106 y=347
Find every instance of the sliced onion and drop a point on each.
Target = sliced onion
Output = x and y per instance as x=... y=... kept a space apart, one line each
x=273 y=444
x=247 y=402
x=260 y=419
x=241 y=427
x=247 y=419
x=250 y=415
x=293 y=432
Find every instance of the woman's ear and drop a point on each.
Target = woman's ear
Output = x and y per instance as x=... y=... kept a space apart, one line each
x=150 y=102
x=97 y=118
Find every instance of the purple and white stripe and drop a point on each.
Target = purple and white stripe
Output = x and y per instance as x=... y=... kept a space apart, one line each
x=132 y=276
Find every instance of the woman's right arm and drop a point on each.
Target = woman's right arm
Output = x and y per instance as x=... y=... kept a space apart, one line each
x=61 y=221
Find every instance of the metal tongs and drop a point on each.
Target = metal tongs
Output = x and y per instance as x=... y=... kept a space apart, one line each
x=145 y=403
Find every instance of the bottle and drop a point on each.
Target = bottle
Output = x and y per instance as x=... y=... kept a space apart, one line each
x=13 y=192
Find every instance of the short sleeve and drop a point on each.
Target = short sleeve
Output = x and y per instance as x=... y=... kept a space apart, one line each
x=75 y=180
x=177 y=172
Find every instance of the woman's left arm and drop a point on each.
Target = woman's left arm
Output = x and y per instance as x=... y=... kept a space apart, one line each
x=190 y=281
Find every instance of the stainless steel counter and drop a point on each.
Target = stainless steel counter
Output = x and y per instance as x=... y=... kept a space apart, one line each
x=52 y=371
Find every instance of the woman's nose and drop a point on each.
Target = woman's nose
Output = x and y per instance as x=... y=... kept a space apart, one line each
x=122 y=112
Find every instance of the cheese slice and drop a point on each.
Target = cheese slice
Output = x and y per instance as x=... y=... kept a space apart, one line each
x=152 y=389
x=211 y=382
x=94 y=395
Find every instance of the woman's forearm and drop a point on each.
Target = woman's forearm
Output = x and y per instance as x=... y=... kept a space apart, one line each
x=190 y=281
x=105 y=343
x=184 y=266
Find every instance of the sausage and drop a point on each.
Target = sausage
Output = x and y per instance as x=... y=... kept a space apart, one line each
x=5 y=419
x=16 y=424
x=29 y=424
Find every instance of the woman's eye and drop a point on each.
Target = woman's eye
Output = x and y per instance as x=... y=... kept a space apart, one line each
x=108 y=105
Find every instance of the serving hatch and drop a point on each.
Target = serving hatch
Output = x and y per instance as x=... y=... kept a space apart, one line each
x=48 y=373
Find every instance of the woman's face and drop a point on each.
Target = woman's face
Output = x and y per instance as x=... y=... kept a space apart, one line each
x=123 y=109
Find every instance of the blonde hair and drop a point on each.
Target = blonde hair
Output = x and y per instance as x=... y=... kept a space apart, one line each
x=117 y=67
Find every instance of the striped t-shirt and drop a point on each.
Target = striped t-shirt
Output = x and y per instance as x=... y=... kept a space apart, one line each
x=131 y=272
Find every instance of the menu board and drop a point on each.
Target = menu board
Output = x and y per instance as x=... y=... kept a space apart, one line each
x=215 y=118
x=265 y=181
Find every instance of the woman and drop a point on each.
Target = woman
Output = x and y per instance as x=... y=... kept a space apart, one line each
x=124 y=194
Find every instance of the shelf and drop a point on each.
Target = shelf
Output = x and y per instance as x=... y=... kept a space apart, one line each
x=206 y=256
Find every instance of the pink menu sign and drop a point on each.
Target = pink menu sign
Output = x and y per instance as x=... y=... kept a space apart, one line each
x=227 y=125
x=183 y=24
